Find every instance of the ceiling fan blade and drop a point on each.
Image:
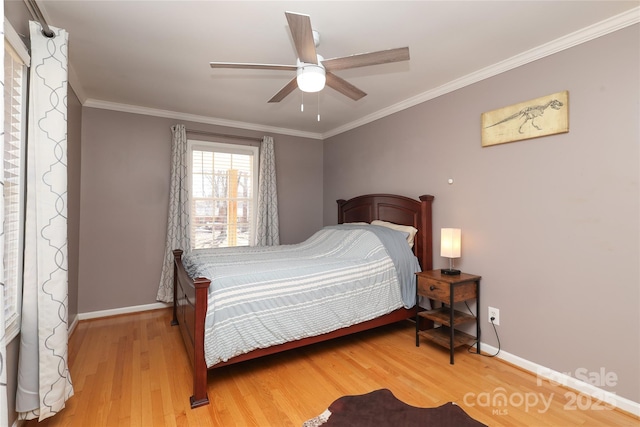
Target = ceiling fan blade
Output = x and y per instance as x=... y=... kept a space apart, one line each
x=302 y=33
x=364 y=59
x=253 y=66
x=344 y=87
x=286 y=90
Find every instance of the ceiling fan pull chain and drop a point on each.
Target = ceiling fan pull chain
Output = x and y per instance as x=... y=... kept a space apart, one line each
x=301 y=101
x=318 y=106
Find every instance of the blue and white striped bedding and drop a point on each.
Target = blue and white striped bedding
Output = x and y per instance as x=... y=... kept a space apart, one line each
x=264 y=296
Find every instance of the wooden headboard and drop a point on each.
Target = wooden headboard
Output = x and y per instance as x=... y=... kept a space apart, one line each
x=397 y=209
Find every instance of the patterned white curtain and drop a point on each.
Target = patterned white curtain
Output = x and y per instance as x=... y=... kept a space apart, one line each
x=267 y=228
x=4 y=416
x=178 y=224
x=44 y=382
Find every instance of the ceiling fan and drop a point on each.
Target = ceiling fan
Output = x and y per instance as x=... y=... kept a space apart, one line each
x=312 y=70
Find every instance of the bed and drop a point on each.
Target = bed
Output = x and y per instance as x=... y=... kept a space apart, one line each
x=192 y=294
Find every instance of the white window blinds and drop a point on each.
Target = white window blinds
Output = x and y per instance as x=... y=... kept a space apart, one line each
x=223 y=189
x=14 y=173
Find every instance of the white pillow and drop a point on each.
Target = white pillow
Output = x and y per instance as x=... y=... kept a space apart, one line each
x=411 y=231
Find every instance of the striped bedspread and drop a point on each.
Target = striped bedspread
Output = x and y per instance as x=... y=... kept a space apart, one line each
x=264 y=296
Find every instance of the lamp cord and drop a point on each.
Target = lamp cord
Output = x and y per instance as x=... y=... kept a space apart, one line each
x=478 y=339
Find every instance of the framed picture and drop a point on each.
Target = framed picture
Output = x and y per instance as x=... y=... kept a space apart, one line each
x=538 y=117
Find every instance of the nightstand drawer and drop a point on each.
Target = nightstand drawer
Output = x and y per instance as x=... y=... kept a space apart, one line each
x=440 y=291
x=433 y=289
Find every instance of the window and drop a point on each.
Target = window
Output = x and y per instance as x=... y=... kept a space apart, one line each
x=224 y=183
x=15 y=75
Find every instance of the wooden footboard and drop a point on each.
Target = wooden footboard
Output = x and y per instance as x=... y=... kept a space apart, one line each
x=190 y=299
x=190 y=296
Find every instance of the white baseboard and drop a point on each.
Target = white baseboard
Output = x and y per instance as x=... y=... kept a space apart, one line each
x=546 y=374
x=123 y=310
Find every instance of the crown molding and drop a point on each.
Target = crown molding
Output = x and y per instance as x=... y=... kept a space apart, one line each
x=135 y=109
x=583 y=35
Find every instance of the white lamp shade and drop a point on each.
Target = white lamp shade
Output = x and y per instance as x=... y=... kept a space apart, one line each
x=450 y=242
x=311 y=77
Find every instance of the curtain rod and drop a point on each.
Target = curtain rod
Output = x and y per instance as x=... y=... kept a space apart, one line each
x=36 y=14
x=223 y=135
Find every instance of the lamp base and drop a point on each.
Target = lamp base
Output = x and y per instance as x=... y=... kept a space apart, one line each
x=450 y=272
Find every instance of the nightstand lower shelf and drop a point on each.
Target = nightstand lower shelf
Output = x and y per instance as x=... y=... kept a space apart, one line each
x=443 y=316
x=442 y=335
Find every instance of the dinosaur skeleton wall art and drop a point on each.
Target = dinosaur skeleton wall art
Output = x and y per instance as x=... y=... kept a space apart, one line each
x=538 y=117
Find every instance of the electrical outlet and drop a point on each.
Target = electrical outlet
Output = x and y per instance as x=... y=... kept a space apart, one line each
x=495 y=313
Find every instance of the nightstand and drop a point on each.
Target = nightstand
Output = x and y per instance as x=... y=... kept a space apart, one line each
x=448 y=290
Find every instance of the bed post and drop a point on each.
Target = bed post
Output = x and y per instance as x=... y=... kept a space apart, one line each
x=200 y=397
x=192 y=304
x=427 y=240
x=341 y=203
x=177 y=256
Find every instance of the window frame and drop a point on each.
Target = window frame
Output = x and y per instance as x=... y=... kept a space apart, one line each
x=220 y=147
x=17 y=50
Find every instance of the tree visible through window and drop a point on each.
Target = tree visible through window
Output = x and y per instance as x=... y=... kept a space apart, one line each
x=223 y=189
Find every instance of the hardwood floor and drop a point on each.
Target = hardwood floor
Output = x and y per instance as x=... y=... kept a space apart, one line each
x=132 y=370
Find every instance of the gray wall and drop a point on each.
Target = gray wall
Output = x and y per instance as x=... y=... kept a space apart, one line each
x=125 y=194
x=551 y=224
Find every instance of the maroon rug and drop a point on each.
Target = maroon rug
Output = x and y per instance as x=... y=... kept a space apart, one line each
x=381 y=408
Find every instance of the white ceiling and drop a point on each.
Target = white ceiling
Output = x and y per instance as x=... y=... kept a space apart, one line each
x=153 y=56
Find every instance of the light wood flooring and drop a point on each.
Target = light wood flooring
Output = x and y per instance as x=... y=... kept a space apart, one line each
x=132 y=370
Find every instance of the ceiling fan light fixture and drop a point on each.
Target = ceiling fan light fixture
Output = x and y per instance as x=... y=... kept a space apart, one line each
x=311 y=77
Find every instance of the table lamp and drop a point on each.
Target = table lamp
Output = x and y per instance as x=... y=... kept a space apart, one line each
x=450 y=248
